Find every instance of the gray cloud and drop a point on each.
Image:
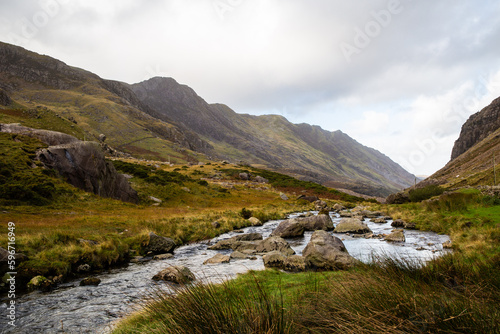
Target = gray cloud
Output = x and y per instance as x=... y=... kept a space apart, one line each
x=285 y=56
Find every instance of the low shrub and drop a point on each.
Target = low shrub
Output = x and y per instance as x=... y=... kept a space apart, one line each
x=421 y=194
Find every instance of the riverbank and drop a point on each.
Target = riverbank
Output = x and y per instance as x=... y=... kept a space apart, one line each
x=91 y=309
x=187 y=204
x=456 y=293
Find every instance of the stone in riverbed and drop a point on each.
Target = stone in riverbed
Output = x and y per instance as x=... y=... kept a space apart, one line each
x=176 y=274
x=295 y=263
x=274 y=259
x=289 y=228
x=352 y=225
x=319 y=222
x=326 y=252
x=159 y=245
x=233 y=243
x=255 y=221
x=163 y=256
x=90 y=281
x=218 y=258
x=274 y=243
x=397 y=235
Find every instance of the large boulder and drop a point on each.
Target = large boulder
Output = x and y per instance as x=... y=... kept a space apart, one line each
x=159 y=245
x=83 y=165
x=274 y=243
x=319 y=222
x=176 y=274
x=289 y=228
x=326 y=252
x=352 y=225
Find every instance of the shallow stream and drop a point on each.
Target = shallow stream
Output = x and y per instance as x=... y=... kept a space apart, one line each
x=88 y=309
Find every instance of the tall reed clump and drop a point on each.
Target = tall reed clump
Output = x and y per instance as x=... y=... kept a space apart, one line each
x=211 y=309
x=397 y=296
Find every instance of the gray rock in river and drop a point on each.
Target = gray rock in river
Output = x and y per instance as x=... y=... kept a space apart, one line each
x=326 y=252
x=274 y=259
x=159 y=245
x=295 y=263
x=319 y=222
x=289 y=228
x=218 y=258
x=397 y=235
x=352 y=225
x=275 y=243
x=90 y=281
x=176 y=274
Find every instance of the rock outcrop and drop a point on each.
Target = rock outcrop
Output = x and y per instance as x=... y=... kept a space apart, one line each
x=4 y=98
x=81 y=163
x=84 y=166
x=477 y=128
x=48 y=137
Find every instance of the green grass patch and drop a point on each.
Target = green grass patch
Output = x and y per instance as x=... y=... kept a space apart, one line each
x=23 y=180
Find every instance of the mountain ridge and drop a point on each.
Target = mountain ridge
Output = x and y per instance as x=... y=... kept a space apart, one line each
x=162 y=119
x=273 y=139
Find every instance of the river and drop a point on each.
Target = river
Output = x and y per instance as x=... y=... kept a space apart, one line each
x=88 y=309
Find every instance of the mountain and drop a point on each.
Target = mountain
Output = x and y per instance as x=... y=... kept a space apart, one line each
x=306 y=151
x=475 y=151
x=34 y=82
x=161 y=119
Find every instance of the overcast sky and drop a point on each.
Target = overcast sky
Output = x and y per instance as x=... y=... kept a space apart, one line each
x=398 y=76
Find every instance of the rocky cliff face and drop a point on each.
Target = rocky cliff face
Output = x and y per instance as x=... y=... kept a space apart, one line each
x=478 y=126
x=4 y=98
x=83 y=165
x=16 y=62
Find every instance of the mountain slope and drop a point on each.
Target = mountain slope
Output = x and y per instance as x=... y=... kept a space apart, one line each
x=32 y=81
x=475 y=151
x=305 y=151
x=160 y=119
